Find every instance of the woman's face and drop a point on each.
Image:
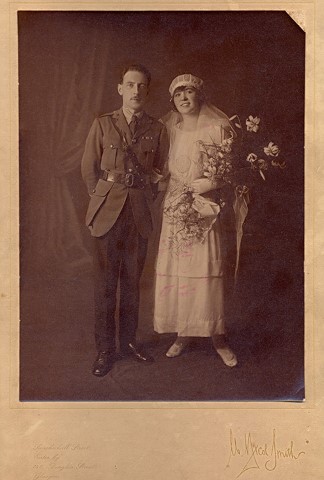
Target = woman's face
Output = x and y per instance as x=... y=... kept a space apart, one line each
x=186 y=100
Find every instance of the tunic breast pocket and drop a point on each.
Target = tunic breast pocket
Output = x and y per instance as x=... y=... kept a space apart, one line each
x=147 y=144
x=109 y=157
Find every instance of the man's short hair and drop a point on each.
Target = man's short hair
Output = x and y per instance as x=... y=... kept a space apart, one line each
x=136 y=67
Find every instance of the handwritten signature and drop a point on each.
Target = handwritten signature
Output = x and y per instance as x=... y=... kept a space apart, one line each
x=260 y=455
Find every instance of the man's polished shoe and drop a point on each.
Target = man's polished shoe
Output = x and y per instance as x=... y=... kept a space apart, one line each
x=138 y=353
x=103 y=363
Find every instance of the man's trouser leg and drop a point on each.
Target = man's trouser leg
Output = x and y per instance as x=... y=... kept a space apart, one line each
x=131 y=270
x=120 y=252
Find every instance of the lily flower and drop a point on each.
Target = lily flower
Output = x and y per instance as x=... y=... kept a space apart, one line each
x=278 y=163
x=271 y=150
x=262 y=164
x=252 y=157
x=252 y=124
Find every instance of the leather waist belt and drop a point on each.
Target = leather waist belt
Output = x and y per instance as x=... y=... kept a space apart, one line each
x=128 y=179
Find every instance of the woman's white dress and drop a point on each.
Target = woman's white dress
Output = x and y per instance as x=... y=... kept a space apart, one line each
x=189 y=284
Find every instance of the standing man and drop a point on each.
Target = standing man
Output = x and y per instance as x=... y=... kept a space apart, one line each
x=124 y=152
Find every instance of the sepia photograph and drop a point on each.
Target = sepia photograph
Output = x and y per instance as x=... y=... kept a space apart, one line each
x=161 y=206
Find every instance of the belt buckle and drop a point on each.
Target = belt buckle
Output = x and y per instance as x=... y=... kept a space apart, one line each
x=129 y=179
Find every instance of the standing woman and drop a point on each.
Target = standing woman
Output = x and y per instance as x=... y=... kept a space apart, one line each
x=189 y=291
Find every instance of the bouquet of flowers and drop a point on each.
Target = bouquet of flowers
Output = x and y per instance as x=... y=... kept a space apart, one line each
x=217 y=160
x=190 y=216
x=238 y=161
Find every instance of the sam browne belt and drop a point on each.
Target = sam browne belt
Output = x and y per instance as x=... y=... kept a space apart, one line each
x=131 y=179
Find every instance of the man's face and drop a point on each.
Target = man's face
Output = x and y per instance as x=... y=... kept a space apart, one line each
x=134 y=90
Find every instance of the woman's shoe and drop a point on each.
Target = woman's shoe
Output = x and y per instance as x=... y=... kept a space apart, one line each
x=228 y=356
x=178 y=347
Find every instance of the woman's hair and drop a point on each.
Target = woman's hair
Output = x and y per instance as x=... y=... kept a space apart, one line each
x=200 y=96
x=136 y=67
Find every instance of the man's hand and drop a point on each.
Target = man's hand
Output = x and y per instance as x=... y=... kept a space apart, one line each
x=156 y=176
x=162 y=186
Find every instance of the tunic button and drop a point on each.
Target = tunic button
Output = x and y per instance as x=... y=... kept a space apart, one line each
x=134 y=140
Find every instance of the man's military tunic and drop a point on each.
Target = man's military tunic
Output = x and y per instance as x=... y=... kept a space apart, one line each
x=105 y=151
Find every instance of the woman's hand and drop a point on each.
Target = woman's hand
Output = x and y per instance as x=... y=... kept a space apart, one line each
x=201 y=185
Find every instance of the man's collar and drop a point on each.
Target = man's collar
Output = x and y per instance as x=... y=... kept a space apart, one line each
x=129 y=114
